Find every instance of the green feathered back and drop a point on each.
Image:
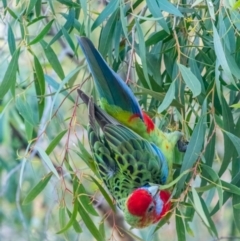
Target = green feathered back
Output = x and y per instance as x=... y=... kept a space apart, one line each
x=125 y=161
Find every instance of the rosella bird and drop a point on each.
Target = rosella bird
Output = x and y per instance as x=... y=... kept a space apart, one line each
x=128 y=164
x=117 y=99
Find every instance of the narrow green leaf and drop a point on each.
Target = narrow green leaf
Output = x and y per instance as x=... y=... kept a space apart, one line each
x=102 y=230
x=39 y=75
x=31 y=5
x=12 y=13
x=221 y=55
x=210 y=149
x=84 y=199
x=40 y=97
x=26 y=111
x=104 y=193
x=156 y=37
x=36 y=20
x=193 y=150
x=168 y=99
x=212 y=226
x=84 y=8
x=72 y=218
x=228 y=125
x=142 y=52
x=231 y=188
x=61 y=215
x=89 y=223
x=69 y=3
x=86 y=157
x=53 y=83
x=9 y=78
x=180 y=226
x=55 y=142
x=167 y=186
x=211 y=9
x=191 y=80
x=237 y=106
x=131 y=234
x=28 y=130
x=11 y=40
x=198 y=207
x=38 y=8
x=216 y=180
x=83 y=196
x=109 y=9
x=237 y=206
x=107 y=34
x=157 y=13
x=169 y=8
x=236 y=211
x=75 y=224
x=37 y=189
x=41 y=35
x=47 y=160
x=205 y=188
x=235 y=141
x=236 y=5
x=69 y=24
x=159 y=96
x=124 y=21
x=68 y=38
x=53 y=59
x=4 y=3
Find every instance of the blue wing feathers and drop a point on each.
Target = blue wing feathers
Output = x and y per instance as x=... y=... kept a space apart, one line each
x=163 y=162
x=109 y=84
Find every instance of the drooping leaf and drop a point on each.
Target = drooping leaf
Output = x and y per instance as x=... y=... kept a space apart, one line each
x=84 y=197
x=27 y=111
x=221 y=55
x=107 y=34
x=55 y=142
x=39 y=75
x=191 y=80
x=193 y=150
x=69 y=3
x=111 y=8
x=11 y=40
x=142 y=53
x=52 y=59
x=215 y=178
x=47 y=161
x=169 y=7
x=89 y=223
x=9 y=78
x=104 y=193
x=180 y=226
x=168 y=98
x=157 y=13
x=41 y=35
x=198 y=207
x=72 y=218
x=37 y=189
x=75 y=223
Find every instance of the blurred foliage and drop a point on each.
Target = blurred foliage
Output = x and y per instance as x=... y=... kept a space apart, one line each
x=182 y=60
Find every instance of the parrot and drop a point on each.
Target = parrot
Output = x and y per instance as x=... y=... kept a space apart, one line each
x=118 y=100
x=131 y=167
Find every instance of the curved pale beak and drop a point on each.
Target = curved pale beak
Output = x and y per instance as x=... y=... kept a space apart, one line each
x=153 y=190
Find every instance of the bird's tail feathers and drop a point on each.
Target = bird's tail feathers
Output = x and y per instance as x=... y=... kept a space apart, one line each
x=107 y=81
x=95 y=113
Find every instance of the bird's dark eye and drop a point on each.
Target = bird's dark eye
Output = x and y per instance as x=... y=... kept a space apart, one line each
x=150 y=209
